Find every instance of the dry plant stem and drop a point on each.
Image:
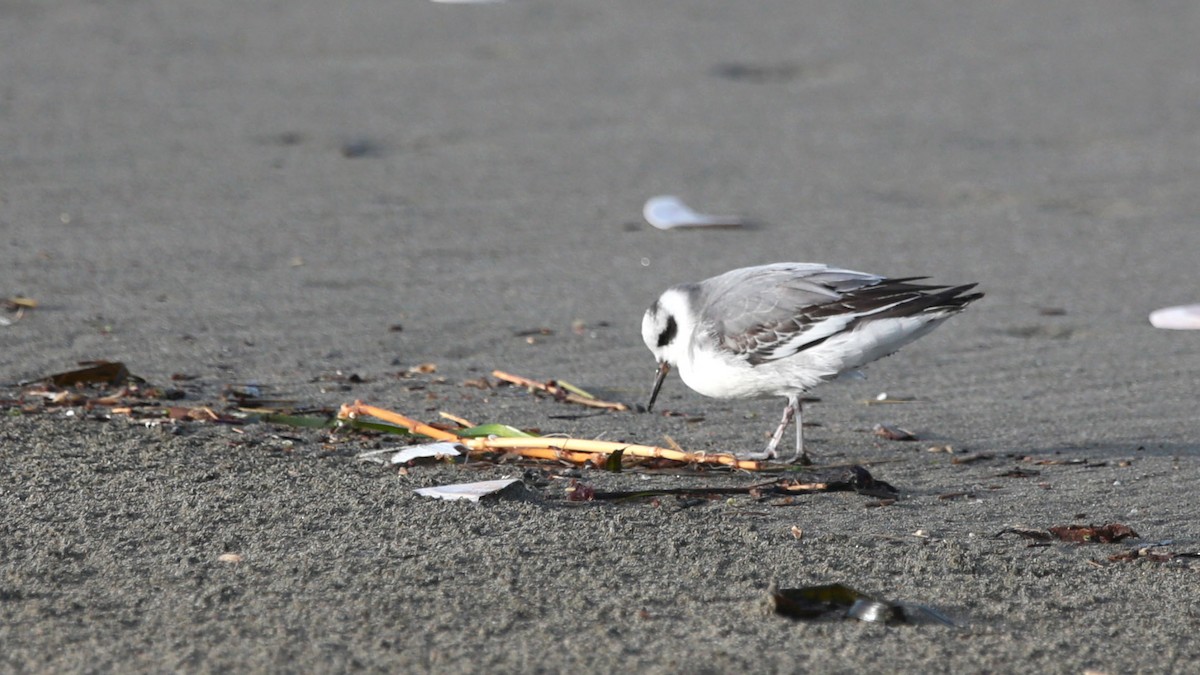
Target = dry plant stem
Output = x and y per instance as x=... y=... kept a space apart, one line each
x=359 y=408
x=456 y=419
x=582 y=445
x=557 y=392
x=573 y=449
x=545 y=453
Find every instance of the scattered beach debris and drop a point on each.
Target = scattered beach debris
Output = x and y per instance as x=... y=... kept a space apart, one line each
x=469 y=491
x=1108 y=533
x=1179 y=317
x=668 y=212
x=574 y=450
x=839 y=601
x=1153 y=553
x=103 y=390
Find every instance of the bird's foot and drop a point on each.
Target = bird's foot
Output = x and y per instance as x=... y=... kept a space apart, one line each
x=765 y=454
x=801 y=458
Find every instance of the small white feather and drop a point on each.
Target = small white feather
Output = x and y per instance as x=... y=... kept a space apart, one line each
x=1180 y=317
x=435 y=450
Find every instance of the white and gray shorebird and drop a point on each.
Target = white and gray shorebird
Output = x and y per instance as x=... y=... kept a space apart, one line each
x=781 y=329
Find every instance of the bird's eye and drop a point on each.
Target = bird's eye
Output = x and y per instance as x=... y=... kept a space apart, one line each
x=668 y=334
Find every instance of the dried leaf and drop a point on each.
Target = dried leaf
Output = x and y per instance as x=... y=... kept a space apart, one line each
x=894 y=433
x=613 y=462
x=1090 y=534
x=1079 y=534
x=100 y=372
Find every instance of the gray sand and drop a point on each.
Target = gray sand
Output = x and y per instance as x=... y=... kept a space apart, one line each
x=260 y=192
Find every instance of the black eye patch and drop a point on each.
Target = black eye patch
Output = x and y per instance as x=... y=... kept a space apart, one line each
x=668 y=334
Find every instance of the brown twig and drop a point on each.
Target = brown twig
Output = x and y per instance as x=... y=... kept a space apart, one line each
x=350 y=411
x=557 y=391
x=462 y=422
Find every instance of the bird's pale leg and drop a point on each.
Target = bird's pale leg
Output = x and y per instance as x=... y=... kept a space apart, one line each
x=801 y=457
x=788 y=413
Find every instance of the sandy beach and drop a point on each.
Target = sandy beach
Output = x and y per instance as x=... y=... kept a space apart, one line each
x=307 y=200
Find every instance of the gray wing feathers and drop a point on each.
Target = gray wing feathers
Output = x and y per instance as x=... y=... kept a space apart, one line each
x=745 y=299
x=768 y=313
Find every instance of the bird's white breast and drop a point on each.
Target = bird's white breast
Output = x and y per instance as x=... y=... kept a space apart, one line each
x=714 y=372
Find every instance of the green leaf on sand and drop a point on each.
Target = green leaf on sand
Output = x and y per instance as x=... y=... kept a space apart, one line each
x=501 y=430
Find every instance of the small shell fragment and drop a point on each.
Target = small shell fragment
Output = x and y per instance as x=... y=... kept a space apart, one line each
x=470 y=491
x=1179 y=317
x=668 y=212
x=434 y=450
